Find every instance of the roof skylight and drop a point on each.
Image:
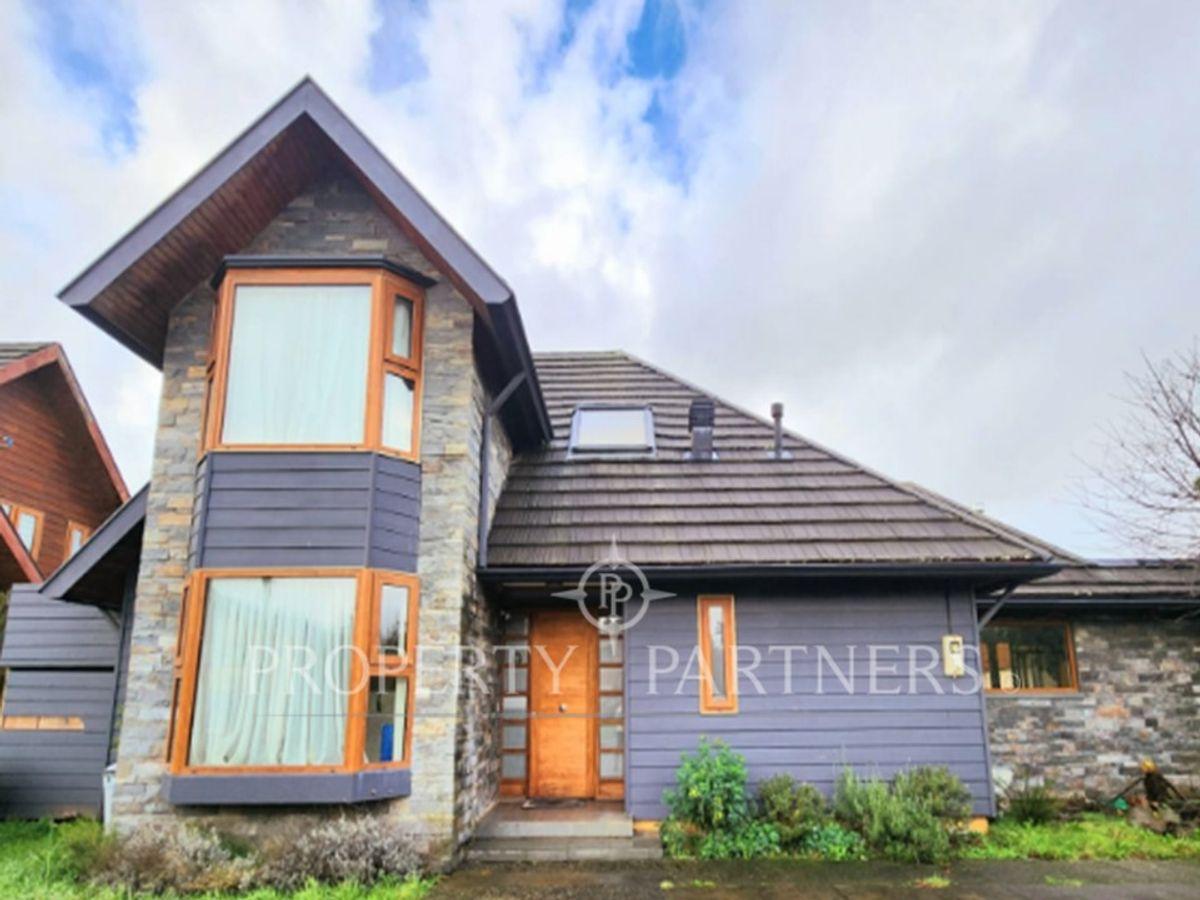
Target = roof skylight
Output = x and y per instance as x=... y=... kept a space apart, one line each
x=612 y=429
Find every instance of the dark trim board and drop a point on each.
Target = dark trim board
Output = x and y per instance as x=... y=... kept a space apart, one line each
x=251 y=261
x=983 y=576
x=288 y=790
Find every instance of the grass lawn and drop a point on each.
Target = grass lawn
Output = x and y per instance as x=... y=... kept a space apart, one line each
x=32 y=866
x=1092 y=836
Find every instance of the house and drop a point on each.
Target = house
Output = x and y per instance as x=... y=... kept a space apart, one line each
x=58 y=480
x=553 y=574
x=58 y=483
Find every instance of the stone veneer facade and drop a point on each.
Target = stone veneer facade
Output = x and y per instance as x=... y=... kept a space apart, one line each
x=1139 y=696
x=455 y=753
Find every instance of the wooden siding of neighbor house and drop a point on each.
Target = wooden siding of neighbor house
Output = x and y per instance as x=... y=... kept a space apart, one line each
x=306 y=509
x=51 y=466
x=61 y=658
x=809 y=735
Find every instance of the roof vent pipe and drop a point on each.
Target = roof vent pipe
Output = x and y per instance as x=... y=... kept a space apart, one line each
x=777 y=415
x=701 y=416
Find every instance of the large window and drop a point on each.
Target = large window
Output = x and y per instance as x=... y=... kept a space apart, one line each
x=315 y=358
x=718 y=654
x=1028 y=657
x=304 y=670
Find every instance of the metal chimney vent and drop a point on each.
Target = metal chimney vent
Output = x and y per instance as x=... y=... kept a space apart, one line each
x=777 y=451
x=701 y=416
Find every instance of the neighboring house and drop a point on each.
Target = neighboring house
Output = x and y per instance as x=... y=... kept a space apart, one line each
x=356 y=447
x=58 y=483
x=58 y=480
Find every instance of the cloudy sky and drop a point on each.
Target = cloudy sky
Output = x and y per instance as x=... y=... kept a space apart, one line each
x=938 y=232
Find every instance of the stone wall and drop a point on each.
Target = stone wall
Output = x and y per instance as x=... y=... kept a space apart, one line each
x=478 y=738
x=142 y=746
x=1139 y=696
x=455 y=760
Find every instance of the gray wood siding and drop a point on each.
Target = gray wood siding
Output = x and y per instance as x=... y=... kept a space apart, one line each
x=807 y=732
x=61 y=658
x=305 y=509
x=46 y=633
x=55 y=773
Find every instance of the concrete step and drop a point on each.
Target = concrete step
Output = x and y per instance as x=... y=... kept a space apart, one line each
x=561 y=849
x=584 y=820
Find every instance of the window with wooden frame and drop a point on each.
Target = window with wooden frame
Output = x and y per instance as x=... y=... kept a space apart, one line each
x=611 y=704
x=1028 y=658
x=76 y=536
x=514 y=705
x=316 y=358
x=718 y=653
x=300 y=670
x=27 y=522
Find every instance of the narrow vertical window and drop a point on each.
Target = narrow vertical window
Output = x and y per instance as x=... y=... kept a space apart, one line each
x=718 y=654
x=393 y=642
x=28 y=525
x=401 y=368
x=76 y=535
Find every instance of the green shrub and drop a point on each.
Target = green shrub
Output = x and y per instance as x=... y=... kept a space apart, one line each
x=711 y=817
x=796 y=810
x=1033 y=804
x=936 y=787
x=752 y=840
x=710 y=791
x=891 y=825
x=833 y=843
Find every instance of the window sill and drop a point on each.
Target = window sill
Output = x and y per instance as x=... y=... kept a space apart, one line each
x=301 y=789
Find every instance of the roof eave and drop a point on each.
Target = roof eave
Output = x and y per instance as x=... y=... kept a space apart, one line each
x=981 y=574
x=102 y=541
x=491 y=296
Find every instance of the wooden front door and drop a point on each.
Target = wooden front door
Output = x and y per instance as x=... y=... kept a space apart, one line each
x=562 y=735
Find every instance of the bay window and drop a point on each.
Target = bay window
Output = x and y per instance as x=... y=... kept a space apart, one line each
x=310 y=670
x=315 y=359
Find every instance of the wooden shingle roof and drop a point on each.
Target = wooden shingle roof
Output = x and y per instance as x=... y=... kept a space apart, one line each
x=743 y=509
x=1123 y=579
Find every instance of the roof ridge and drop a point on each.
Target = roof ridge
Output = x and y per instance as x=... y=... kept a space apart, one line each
x=906 y=488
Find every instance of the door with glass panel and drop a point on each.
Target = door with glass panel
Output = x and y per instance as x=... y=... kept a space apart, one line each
x=562 y=707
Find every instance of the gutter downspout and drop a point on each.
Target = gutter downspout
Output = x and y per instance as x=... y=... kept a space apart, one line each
x=997 y=606
x=485 y=447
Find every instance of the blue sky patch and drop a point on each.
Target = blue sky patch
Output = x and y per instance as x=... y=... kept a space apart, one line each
x=658 y=45
x=395 y=53
x=90 y=51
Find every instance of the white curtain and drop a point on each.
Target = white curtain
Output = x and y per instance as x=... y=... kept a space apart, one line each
x=298 y=365
x=274 y=672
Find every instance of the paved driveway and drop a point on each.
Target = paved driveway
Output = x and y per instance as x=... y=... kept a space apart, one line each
x=767 y=880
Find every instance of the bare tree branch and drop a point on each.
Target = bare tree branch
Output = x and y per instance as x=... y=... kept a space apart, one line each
x=1148 y=480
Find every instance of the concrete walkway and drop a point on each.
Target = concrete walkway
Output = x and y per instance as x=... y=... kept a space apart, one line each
x=776 y=879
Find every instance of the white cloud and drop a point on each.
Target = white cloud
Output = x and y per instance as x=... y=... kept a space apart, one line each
x=937 y=232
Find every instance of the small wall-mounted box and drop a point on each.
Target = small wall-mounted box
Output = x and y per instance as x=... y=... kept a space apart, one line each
x=953 y=656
